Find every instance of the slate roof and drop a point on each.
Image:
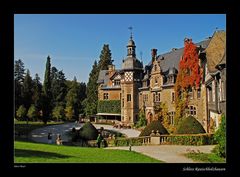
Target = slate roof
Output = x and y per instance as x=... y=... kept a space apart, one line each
x=171 y=59
x=131 y=63
x=103 y=77
x=223 y=61
x=216 y=50
x=167 y=61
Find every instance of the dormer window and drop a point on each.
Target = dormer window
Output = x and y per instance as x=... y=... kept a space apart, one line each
x=116 y=82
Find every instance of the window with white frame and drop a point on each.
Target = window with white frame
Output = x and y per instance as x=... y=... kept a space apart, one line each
x=116 y=82
x=157 y=97
x=198 y=93
x=190 y=94
x=223 y=90
x=213 y=91
x=171 y=117
x=145 y=97
x=209 y=92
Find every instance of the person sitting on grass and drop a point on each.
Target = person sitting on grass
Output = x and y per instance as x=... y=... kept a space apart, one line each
x=59 y=140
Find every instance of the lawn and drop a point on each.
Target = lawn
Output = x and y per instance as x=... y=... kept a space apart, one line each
x=26 y=152
x=206 y=157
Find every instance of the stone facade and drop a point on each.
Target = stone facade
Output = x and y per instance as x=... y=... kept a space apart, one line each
x=144 y=88
x=109 y=94
x=215 y=80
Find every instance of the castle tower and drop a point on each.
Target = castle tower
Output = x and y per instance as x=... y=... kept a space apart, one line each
x=131 y=76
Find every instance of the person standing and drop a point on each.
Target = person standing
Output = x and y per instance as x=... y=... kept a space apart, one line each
x=49 y=138
x=99 y=140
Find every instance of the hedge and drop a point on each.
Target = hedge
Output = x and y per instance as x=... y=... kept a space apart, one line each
x=189 y=139
x=109 y=106
x=127 y=142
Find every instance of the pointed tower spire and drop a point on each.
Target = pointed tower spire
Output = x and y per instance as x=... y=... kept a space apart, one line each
x=130 y=28
x=131 y=45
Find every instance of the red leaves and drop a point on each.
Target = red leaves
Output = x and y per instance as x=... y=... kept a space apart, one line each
x=189 y=70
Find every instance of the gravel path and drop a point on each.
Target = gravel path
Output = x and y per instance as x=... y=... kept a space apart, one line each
x=169 y=153
x=40 y=135
x=166 y=153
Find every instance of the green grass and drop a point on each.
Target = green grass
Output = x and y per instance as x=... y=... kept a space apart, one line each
x=206 y=157
x=26 y=152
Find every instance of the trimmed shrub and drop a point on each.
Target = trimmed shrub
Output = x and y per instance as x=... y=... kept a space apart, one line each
x=142 y=120
x=193 y=139
x=154 y=125
x=88 y=132
x=196 y=139
x=220 y=137
x=127 y=142
x=189 y=125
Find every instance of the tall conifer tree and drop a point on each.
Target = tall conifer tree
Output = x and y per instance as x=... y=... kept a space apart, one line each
x=92 y=87
x=47 y=92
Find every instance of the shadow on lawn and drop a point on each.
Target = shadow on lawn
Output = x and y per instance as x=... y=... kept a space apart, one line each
x=32 y=153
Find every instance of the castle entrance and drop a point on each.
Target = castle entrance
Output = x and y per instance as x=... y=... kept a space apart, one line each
x=149 y=117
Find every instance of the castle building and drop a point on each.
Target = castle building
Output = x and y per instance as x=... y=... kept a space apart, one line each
x=136 y=88
x=158 y=86
x=215 y=79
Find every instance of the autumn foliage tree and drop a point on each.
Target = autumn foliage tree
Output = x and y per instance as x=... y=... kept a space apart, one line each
x=189 y=77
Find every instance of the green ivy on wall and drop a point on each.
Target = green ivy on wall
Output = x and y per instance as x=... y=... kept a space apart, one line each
x=109 y=106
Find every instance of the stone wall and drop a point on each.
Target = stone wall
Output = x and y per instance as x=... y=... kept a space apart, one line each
x=112 y=94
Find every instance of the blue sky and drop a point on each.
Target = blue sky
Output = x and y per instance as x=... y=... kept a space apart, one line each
x=75 y=41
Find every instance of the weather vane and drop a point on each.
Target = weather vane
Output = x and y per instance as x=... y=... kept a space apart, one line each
x=130 y=28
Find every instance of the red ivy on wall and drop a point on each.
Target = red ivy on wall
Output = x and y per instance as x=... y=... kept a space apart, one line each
x=190 y=73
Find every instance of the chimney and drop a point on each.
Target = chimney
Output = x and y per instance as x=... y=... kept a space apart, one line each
x=173 y=49
x=111 y=68
x=154 y=53
x=187 y=41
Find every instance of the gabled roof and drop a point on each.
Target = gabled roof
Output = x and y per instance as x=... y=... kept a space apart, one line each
x=172 y=58
x=115 y=74
x=222 y=63
x=102 y=77
x=215 y=52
